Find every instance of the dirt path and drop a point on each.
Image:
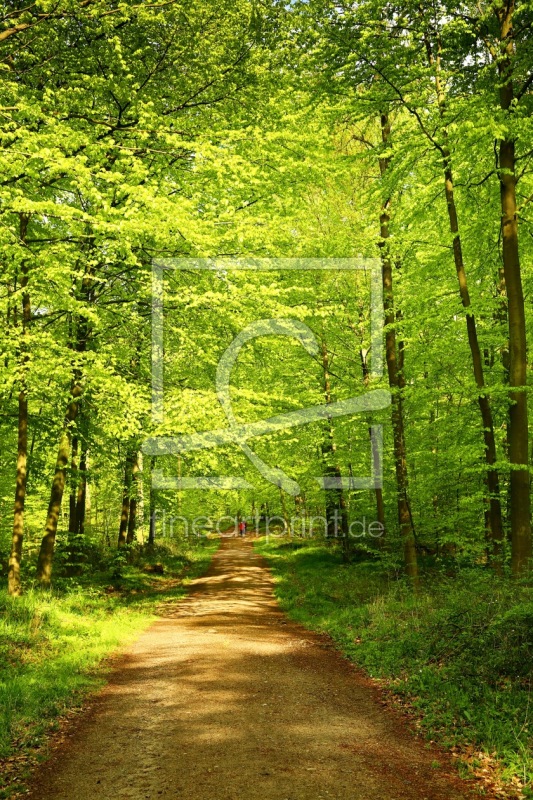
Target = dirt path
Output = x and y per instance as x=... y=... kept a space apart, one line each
x=224 y=699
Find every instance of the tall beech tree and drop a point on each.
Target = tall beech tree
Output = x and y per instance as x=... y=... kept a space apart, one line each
x=394 y=359
x=13 y=579
x=335 y=500
x=124 y=527
x=520 y=502
x=433 y=45
x=134 y=490
x=46 y=552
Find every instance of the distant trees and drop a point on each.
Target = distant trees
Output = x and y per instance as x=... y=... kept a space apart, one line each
x=396 y=131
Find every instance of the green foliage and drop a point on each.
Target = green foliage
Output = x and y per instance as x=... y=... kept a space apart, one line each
x=265 y=141
x=234 y=129
x=78 y=555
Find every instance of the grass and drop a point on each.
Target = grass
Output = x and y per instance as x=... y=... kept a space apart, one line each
x=459 y=654
x=52 y=645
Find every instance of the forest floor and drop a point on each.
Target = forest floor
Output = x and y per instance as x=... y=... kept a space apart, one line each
x=225 y=698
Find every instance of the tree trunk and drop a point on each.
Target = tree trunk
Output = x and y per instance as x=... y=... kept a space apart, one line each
x=396 y=383
x=132 y=520
x=140 y=494
x=494 y=512
x=284 y=514
x=74 y=477
x=13 y=576
x=336 y=508
x=518 y=414
x=124 y=514
x=376 y=459
x=501 y=318
x=378 y=490
x=151 y=529
x=46 y=553
x=494 y=517
x=15 y=557
x=81 y=497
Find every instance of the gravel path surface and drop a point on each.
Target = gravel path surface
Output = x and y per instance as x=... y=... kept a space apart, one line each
x=225 y=699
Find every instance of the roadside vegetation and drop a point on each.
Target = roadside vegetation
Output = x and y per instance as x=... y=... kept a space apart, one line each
x=456 y=655
x=53 y=645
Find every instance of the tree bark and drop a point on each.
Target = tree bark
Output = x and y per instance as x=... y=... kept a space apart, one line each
x=151 y=529
x=376 y=461
x=74 y=477
x=521 y=549
x=396 y=381
x=13 y=576
x=15 y=557
x=125 y=511
x=335 y=501
x=132 y=519
x=46 y=553
x=81 y=497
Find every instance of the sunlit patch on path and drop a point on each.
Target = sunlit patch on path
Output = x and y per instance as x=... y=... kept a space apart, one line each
x=223 y=699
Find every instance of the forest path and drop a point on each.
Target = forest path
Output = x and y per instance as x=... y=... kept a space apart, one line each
x=225 y=699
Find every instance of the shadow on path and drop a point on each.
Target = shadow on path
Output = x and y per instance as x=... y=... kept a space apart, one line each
x=223 y=698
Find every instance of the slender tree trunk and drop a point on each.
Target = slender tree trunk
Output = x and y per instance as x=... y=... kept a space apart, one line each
x=15 y=557
x=376 y=459
x=494 y=512
x=140 y=494
x=81 y=497
x=378 y=490
x=74 y=478
x=494 y=516
x=396 y=383
x=501 y=318
x=132 y=520
x=151 y=529
x=521 y=550
x=284 y=511
x=46 y=553
x=179 y=478
x=124 y=515
x=336 y=508
x=13 y=577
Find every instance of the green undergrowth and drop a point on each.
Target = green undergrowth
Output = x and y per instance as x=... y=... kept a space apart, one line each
x=52 y=644
x=459 y=653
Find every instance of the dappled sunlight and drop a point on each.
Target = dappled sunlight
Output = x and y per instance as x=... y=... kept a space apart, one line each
x=224 y=698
